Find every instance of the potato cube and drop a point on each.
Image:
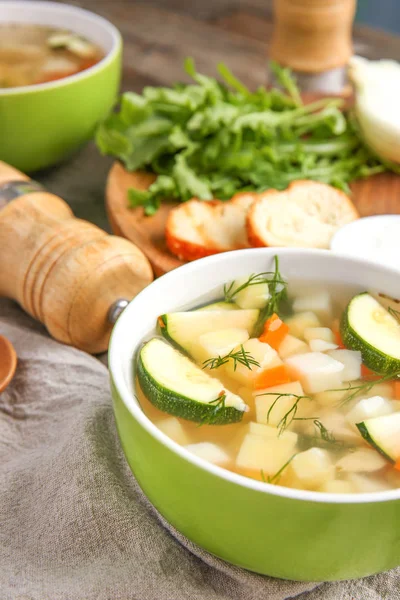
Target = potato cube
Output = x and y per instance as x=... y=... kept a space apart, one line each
x=266 y=356
x=364 y=484
x=298 y=323
x=312 y=468
x=351 y=360
x=321 y=346
x=292 y=345
x=210 y=452
x=264 y=430
x=368 y=408
x=319 y=303
x=337 y=486
x=267 y=431
x=282 y=404
x=268 y=454
x=316 y=371
x=246 y=394
x=335 y=397
x=173 y=428
x=362 y=460
x=319 y=333
x=219 y=343
x=253 y=296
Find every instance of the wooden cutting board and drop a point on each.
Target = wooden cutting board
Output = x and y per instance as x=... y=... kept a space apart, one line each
x=376 y=195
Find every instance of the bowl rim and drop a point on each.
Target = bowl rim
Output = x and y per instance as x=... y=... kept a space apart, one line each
x=59 y=83
x=134 y=408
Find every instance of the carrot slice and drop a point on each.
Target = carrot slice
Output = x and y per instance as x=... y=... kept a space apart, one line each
x=368 y=374
x=397 y=465
x=396 y=389
x=338 y=339
x=272 y=377
x=275 y=330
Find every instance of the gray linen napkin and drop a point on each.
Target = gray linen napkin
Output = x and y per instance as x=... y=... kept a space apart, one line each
x=74 y=524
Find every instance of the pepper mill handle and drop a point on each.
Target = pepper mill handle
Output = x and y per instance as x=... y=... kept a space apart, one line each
x=65 y=272
x=312 y=36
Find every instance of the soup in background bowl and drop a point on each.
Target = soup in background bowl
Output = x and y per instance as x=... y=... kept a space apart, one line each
x=32 y=54
x=313 y=533
x=51 y=103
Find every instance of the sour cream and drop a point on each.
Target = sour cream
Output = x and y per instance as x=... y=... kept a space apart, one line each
x=372 y=238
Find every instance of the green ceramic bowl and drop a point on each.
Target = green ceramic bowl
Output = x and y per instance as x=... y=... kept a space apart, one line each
x=43 y=124
x=286 y=533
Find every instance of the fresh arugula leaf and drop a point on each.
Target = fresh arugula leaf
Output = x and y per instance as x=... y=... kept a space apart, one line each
x=188 y=183
x=146 y=150
x=285 y=78
x=231 y=80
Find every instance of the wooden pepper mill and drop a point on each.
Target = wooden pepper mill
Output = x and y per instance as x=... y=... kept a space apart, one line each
x=314 y=39
x=65 y=272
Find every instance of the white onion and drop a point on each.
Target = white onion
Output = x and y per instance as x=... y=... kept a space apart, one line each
x=377 y=104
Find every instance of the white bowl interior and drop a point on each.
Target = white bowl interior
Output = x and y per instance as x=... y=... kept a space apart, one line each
x=198 y=283
x=80 y=21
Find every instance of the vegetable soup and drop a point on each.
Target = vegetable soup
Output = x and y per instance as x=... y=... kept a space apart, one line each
x=31 y=54
x=297 y=388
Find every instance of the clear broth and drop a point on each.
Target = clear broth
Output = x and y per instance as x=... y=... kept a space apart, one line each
x=32 y=54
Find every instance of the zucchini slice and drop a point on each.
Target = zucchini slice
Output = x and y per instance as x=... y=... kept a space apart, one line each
x=183 y=329
x=367 y=326
x=177 y=386
x=383 y=433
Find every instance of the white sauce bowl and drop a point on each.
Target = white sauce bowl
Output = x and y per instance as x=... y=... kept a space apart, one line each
x=374 y=238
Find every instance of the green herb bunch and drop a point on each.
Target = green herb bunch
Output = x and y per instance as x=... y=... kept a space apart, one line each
x=211 y=139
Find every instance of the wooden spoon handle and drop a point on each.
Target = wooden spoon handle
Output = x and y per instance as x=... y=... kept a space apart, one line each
x=312 y=36
x=63 y=271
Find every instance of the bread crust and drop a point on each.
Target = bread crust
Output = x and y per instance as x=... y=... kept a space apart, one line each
x=198 y=219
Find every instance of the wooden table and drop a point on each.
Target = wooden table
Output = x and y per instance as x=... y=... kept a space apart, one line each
x=158 y=35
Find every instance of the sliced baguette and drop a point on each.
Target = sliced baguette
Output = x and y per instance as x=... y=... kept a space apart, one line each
x=305 y=215
x=200 y=228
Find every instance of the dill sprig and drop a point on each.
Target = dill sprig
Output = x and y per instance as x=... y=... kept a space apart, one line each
x=230 y=291
x=323 y=439
x=219 y=405
x=325 y=435
x=275 y=478
x=277 y=287
x=278 y=293
x=288 y=417
x=364 y=387
x=241 y=356
x=291 y=415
